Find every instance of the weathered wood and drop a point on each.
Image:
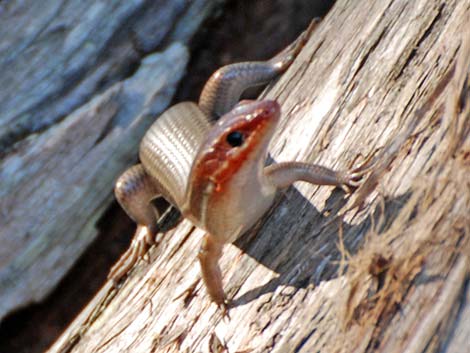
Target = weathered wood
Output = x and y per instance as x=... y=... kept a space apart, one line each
x=388 y=78
x=72 y=116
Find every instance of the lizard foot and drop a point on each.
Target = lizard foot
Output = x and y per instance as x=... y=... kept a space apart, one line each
x=143 y=239
x=354 y=178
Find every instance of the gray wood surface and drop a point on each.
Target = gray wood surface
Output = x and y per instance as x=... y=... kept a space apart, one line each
x=71 y=118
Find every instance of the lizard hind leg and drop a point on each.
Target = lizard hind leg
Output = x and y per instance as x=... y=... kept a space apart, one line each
x=225 y=86
x=285 y=58
x=134 y=191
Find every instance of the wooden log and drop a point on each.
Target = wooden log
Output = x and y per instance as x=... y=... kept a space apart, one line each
x=388 y=79
x=72 y=116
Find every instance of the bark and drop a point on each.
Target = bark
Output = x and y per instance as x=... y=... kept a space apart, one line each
x=386 y=270
x=72 y=117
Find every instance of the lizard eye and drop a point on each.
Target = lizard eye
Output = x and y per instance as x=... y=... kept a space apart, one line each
x=235 y=139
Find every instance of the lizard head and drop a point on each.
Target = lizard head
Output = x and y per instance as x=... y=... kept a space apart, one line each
x=231 y=157
x=239 y=137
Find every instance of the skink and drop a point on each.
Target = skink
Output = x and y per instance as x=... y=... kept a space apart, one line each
x=215 y=175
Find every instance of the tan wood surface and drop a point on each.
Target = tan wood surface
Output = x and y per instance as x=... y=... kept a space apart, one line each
x=381 y=79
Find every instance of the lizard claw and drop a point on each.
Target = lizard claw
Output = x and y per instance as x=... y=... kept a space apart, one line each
x=224 y=307
x=352 y=180
x=354 y=177
x=285 y=58
x=141 y=242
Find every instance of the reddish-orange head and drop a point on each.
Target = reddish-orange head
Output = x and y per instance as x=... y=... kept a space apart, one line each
x=238 y=140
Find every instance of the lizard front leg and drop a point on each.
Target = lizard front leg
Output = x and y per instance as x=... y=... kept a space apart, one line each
x=209 y=255
x=284 y=174
x=135 y=190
